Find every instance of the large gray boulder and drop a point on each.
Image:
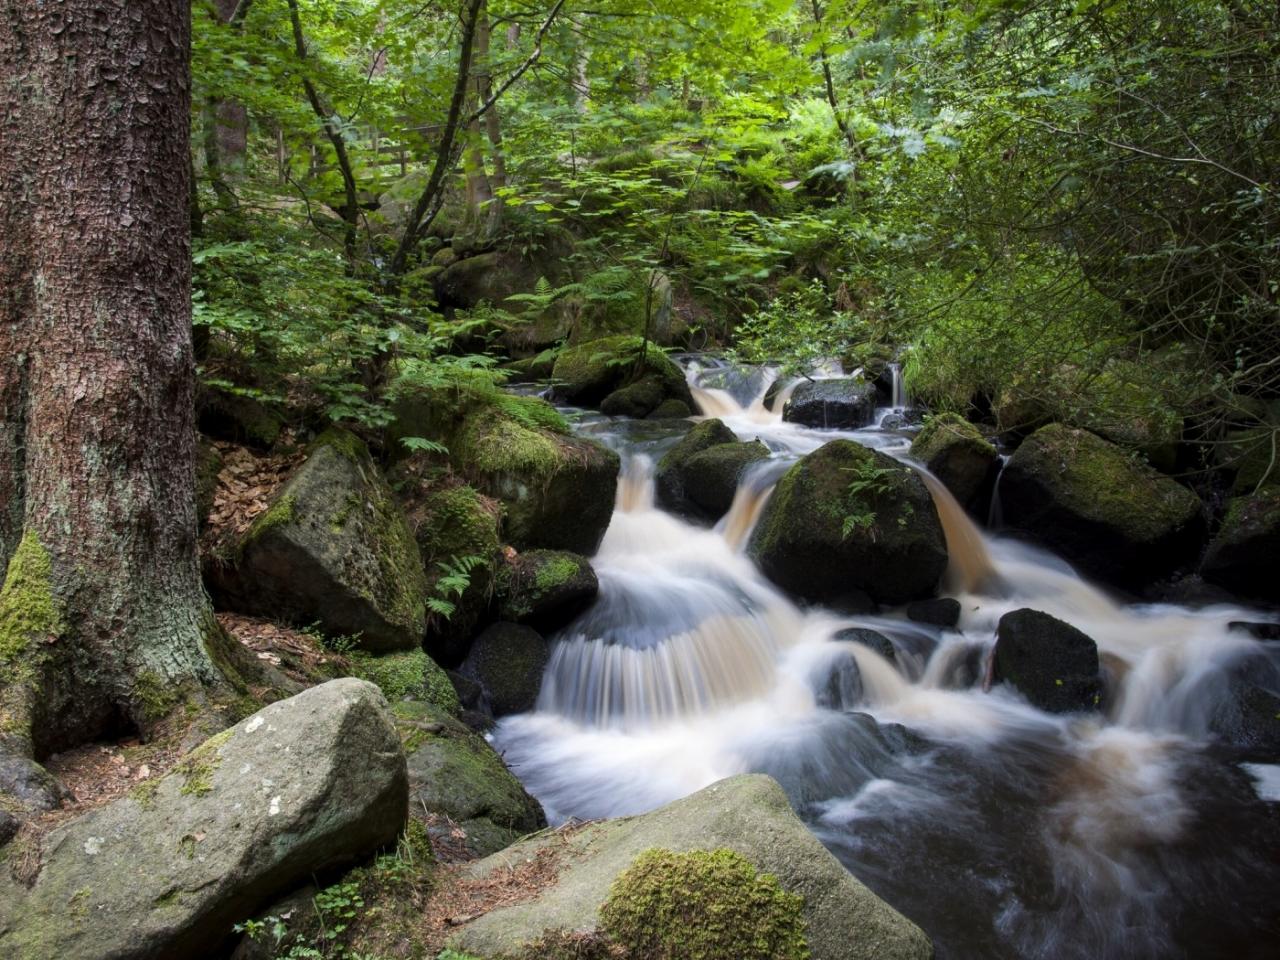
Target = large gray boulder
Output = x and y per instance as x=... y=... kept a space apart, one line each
x=747 y=814
x=847 y=518
x=309 y=783
x=333 y=548
x=453 y=771
x=839 y=403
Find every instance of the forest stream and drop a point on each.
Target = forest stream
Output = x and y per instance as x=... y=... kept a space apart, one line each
x=1004 y=831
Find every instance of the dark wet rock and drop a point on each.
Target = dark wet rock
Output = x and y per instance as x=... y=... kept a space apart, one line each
x=871 y=639
x=307 y=784
x=507 y=660
x=938 y=612
x=842 y=402
x=671 y=410
x=636 y=400
x=453 y=771
x=838 y=684
x=237 y=418
x=1189 y=590
x=1106 y=513
x=1244 y=557
x=1259 y=631
x=545 y=588
x=749 y=815
x=470 y=693
x=953 y=450
x=848 y=517
x=333 y=548
x=670 y=478
x=711 y=478
x=1247 y=717
x=1051 y=663
x=587 y=373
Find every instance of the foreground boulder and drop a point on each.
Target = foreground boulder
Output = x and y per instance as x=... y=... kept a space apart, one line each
x=1050 y=662
x=1111 y=516
x=588 y=373
x=335 y=548
x=843 y=403
x=545 y=588
x=952 y=449
x=454 y=772
x=839 y=917
x=309 y=783
x=1246 y=716
x=507 y=660
x=850 y=518
x=1243 y=556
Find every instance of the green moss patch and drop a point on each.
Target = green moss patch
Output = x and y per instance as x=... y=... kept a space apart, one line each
x=29 y=611
x=411 y=674
x=703 y=905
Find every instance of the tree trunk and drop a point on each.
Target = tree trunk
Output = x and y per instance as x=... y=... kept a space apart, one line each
x=104 y=623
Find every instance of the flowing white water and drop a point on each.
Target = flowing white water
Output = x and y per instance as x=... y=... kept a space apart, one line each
x=1005 y=831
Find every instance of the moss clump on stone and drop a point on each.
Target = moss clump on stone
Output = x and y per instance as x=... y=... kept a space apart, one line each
x=29 y=612
x=703 y=905
x=497 y=445
x=410 y=674
x=156 y=697
x=281 y=513
x=946 y=430
x=198 y=767
x=458 y=522
x=588 y=372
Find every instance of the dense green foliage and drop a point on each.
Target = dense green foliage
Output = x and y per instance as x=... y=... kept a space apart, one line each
x=1064 y=210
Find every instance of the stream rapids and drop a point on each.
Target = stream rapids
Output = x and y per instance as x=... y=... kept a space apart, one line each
x=1003 y=831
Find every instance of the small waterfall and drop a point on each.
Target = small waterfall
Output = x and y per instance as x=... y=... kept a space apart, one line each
x=635 y=485
x=715 y=403
x=753 y=493
x=899 y=392
x=969 y=567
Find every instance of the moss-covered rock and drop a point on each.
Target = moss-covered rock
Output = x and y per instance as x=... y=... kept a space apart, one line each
x=1106 y=512
x=453 y=771
x=586 y=373
x=850 y=518
x=635 y=400
x=1244 y=555
x=749 y=815
x=545 y=589
x=306 y=785
x=1050 y=662
x=507 y=660
x=952 y=449
x=670 y=410
x=530 y=369
x=703 y=905
x=669 y=476
x=407 y=676
x=457 y=529
x=334 y=548
x=842 y=402
x=710 y=478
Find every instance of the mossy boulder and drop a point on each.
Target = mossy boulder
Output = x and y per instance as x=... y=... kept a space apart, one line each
x=850 y=518
x=838 y=403
x=306 y=785
x=635 y=400
x=670 y=410
x=1102 y=509
x=587 y=373
x=669 y=476
x=456 y=528
x=545 y=589
x=507 y=660
x=407 y=676
x=1244 y=557
x=530 y=369
x=710 y=478
x=1051 y=663
x=557 y=490
x=749 y=815
x=453 y=771
x=333 y=548
x=952 y=449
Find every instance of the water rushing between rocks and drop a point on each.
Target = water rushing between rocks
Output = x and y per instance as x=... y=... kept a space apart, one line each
x=1004 y=831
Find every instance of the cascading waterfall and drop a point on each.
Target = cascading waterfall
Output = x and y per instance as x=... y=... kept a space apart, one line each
x=1006 y=832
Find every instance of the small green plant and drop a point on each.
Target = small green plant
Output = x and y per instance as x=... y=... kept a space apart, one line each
x=869 y=481
x=455 y=577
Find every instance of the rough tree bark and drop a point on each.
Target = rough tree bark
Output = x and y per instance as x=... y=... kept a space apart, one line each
x=104 y=623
